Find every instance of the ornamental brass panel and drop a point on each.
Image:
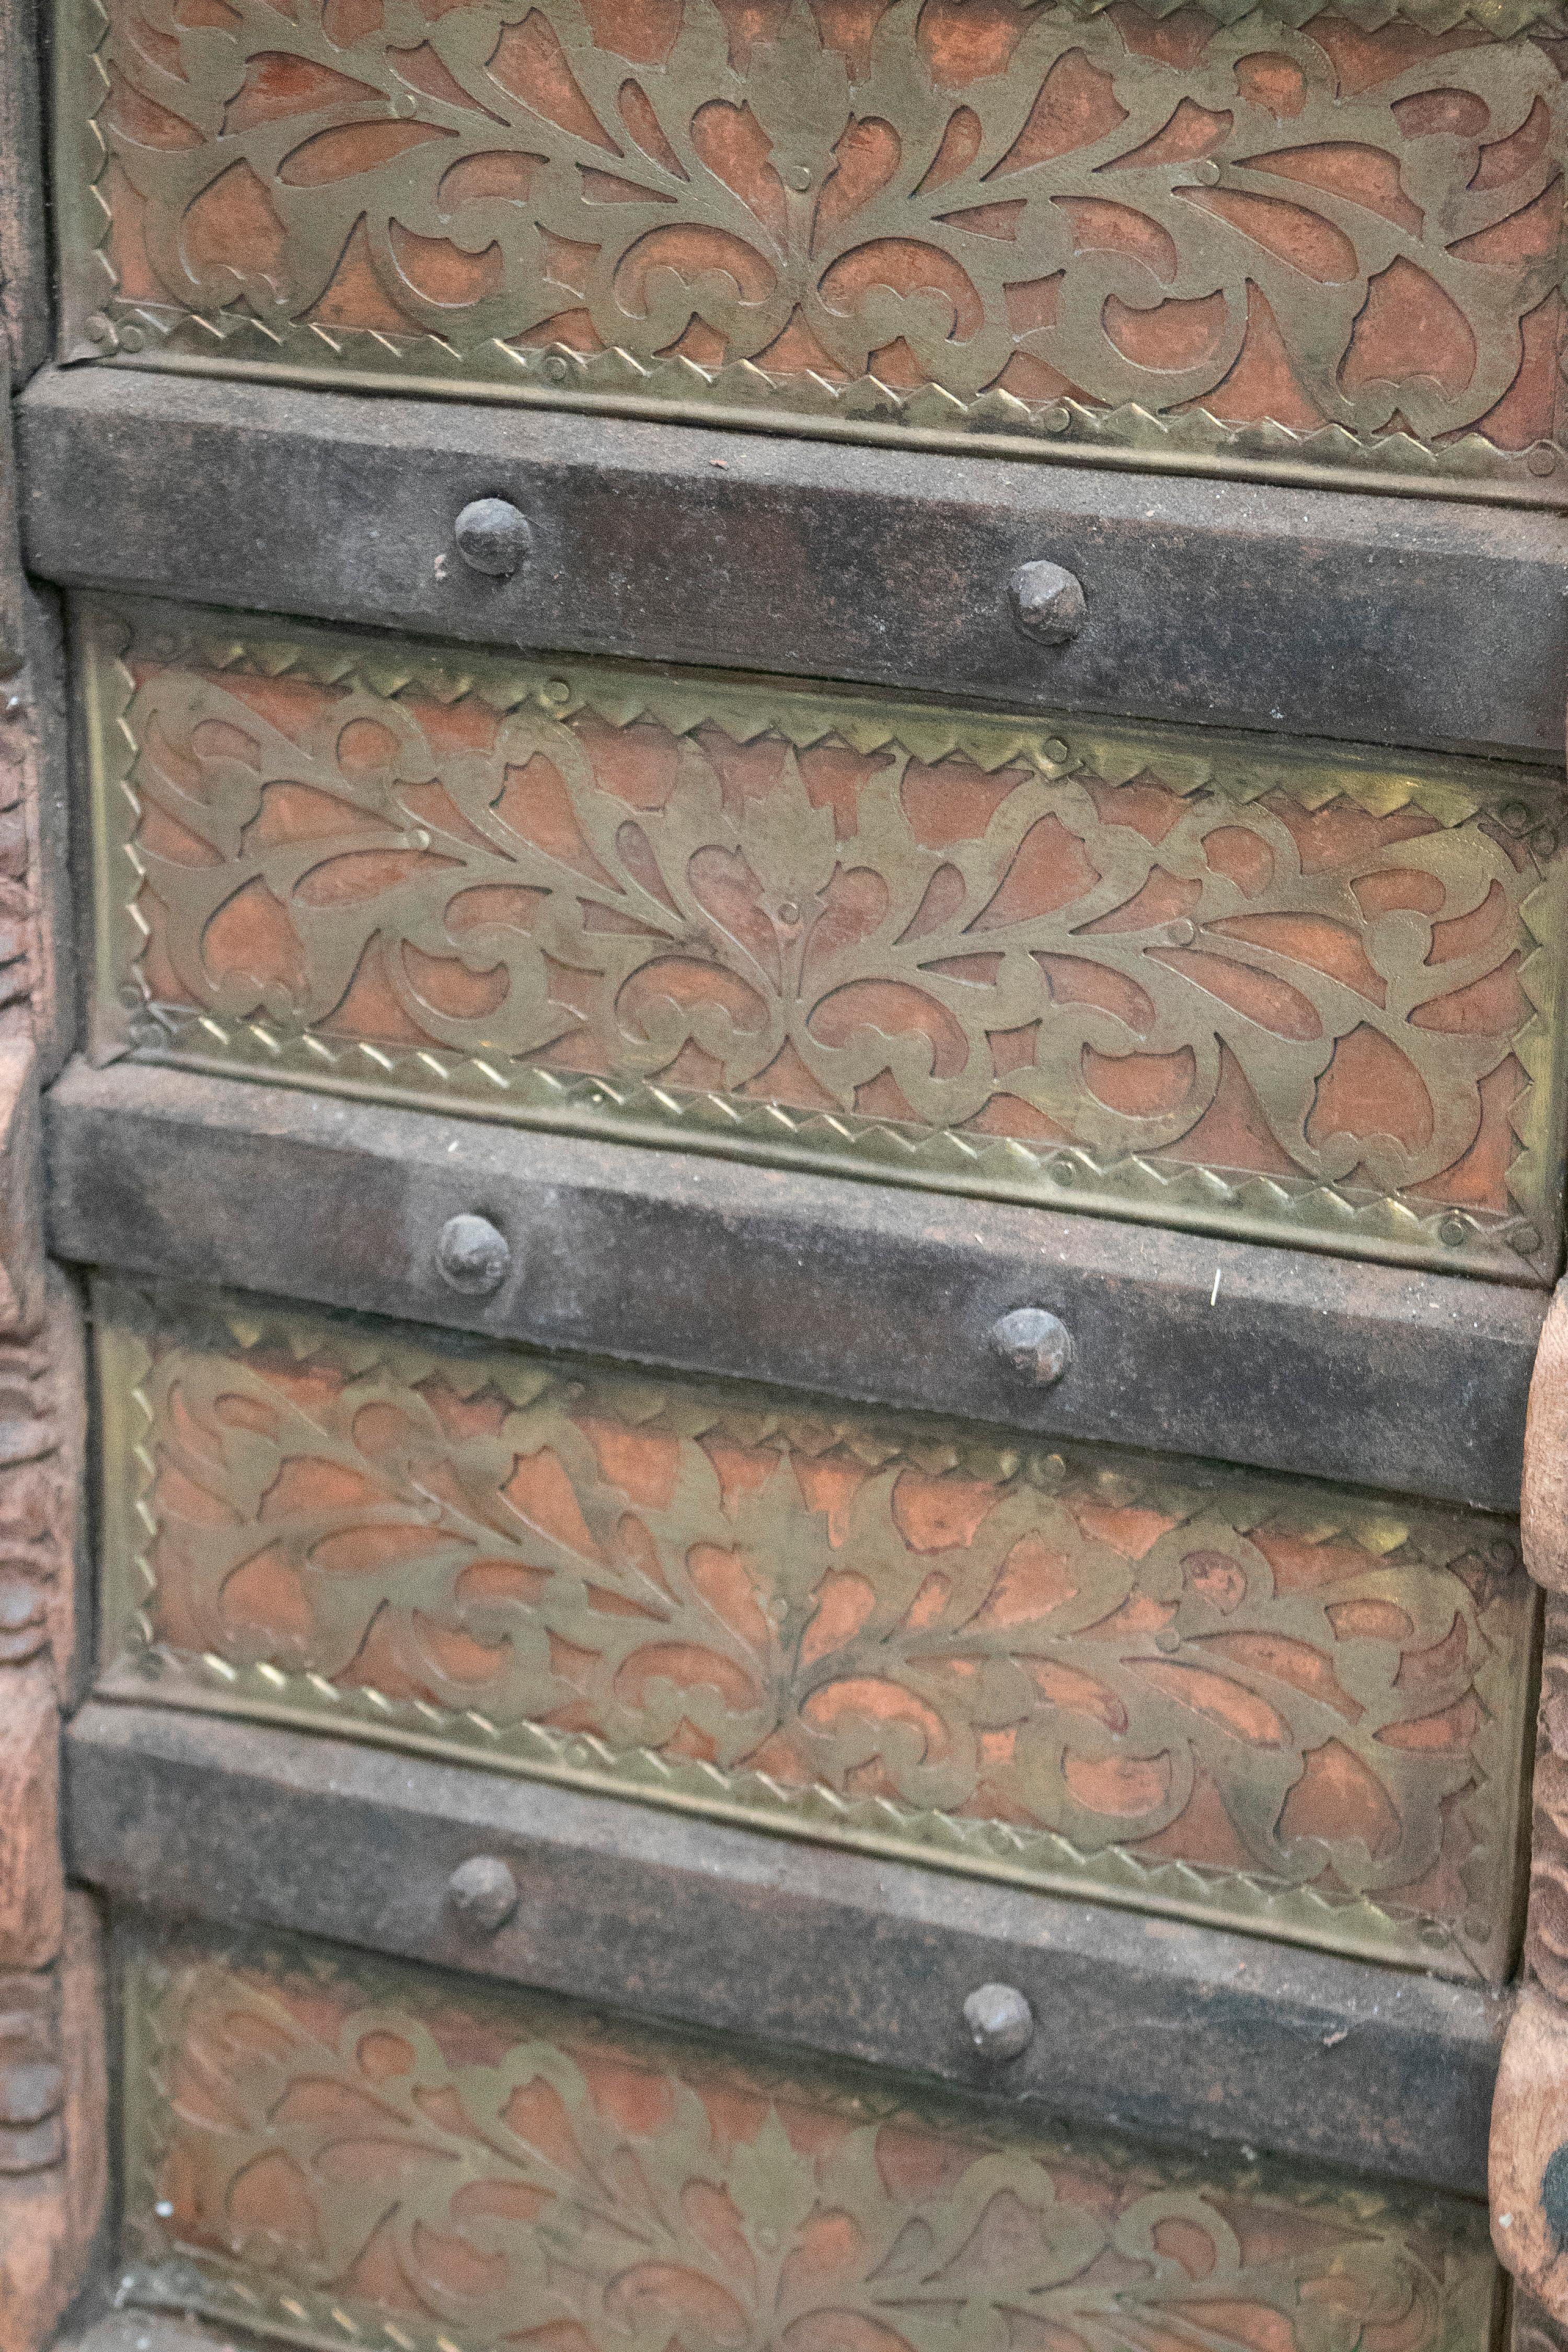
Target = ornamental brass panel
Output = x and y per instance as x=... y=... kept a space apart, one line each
x=1173 y=1686
x=1241 y=236
x=345 y=2153
x=1280 y=991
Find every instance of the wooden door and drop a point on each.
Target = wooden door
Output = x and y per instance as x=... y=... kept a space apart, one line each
x=793 y=877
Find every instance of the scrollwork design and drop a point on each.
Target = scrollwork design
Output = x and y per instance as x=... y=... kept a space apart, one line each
x=1071 y=1666
x=372 y=2159
x=1312 y=241
x=1259 y=988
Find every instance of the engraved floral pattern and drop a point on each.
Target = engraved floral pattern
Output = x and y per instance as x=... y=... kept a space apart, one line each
x=380 y=2158
x=1071 y=1663
x=987 y=214
x=1113 y=958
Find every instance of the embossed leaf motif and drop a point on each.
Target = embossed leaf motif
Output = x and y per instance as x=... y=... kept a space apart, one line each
x=799 y=92
x=656 y=2200
x=786 y=843
x=778 y=899
x=1351 y=236
x=765 y=1607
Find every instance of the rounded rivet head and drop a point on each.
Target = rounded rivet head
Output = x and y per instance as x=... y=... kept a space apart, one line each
x=798 y=177
x=1541 y=460
x=483 y=1893
x=1035 y=1342
x=100 y=328
x=472 y=1256
x=1001 y=2022
x=1206 y=173
x=556 y=370
x=492 y=537
x=1047 y=602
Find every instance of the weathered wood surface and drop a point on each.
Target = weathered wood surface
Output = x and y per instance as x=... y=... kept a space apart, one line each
x=24 y=261
x=1529 y=2155
x=1380 y=620
x=1155 y=2026
x=1277 y=1359
x=52 y=2072
x=53 y=2129
x=1543 y=1506
x=1529 y=2116
x=1533 y=2328
x=31 y=1890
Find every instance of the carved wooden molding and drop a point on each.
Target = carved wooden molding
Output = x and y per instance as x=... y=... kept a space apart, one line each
x=52 y=2129
x=52 y=2090
x=1529 y=2164
x=1529 y=2116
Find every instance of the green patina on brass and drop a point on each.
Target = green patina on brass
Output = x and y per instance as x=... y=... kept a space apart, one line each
x=459 y=2169
x=1047 y=1667
x=524 y=228
x=766 y=970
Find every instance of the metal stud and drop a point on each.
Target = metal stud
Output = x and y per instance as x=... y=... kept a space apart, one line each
x=1048 y=602
x=1001 y=2022
x=1035 y=1342
x=472 y=1256
x=493 y=537
x=483 y=1893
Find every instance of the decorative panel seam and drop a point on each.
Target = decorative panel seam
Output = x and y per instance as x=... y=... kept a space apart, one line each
x=139 y=1666
x=256 y=334
x=1068 y=756
x=778 y=2150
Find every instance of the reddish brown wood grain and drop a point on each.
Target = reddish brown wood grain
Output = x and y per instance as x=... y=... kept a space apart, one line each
x=1530 y=2127
x=1544 y=1502
x=53 y=2083
x=31 y=1889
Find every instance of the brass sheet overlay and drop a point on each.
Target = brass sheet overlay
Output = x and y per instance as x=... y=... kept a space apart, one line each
x=1277 y=990
x=1310 y=242
x=1300 y=1710
x=342 y=2152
